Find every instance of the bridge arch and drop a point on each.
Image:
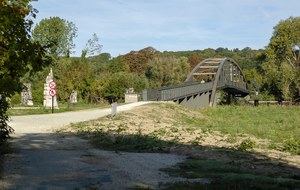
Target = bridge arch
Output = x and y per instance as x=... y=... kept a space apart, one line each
x=225 y=73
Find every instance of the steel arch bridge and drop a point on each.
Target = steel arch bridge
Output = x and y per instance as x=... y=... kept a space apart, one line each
x=219 y=73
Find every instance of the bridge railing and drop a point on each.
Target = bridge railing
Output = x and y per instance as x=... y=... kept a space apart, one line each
x=186 y=89
x=175 y=92
x=232 y=84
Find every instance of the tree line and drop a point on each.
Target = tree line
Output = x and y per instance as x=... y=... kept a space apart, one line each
x=270 y=71
x=107 y=78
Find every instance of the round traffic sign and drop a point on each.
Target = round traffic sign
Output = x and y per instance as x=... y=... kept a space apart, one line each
x=52 y=92
x=52 y=84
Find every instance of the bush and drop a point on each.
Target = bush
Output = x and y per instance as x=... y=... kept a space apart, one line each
x=16 y=99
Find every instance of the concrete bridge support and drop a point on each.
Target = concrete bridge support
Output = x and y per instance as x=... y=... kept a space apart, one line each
x=195 y=101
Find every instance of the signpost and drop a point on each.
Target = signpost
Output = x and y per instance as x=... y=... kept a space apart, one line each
x=52 y=92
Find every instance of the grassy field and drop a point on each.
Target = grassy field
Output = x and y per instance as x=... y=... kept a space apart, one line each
x=280 y=125
x=63 y=107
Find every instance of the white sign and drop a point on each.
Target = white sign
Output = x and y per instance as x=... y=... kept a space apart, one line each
x=52 y=92
x=52 y=84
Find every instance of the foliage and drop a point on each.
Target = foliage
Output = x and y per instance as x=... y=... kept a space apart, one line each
x=58 y=31
x=99 y=63
x=246 y=58
x=137 y=61
x=281 y=60
x=195 y=60
x=115 y=89
x=291 y=145
x=91 y=46
x=117 y=65
x=16 y=99
x=18 y=54
x=5 y=130
x=154 y=72
x=246 y=145
x=167 y=71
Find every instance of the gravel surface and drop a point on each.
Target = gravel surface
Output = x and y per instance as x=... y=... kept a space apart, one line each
x=51 y=161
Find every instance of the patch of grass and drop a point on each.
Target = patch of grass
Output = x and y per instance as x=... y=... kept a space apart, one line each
x=137 y=142
x=174 y=129
x=122 y=127
x=246 y=145
x=160 y=132
x=273 y=123
x=223 y=176
x=291 y=145
x=231 y=139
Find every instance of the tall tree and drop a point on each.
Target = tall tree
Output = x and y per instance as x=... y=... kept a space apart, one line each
x=57 y=31
x=282 y=55
x=92 y=46
x=18 y=54
x=195 y=60
x=137 y=61
x=117 y=65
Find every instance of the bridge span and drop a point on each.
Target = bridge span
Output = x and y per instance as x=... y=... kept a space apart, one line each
x=219 y=73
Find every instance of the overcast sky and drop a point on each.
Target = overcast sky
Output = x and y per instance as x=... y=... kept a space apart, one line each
x=170 y=25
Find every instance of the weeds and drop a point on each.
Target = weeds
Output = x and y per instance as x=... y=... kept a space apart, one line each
x=174 y=129
x=246 y=145
x=291 y=145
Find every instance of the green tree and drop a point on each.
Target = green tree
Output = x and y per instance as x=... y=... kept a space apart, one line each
x=18 y=54
x=115 y=89
x=117 y=65
x=137 y=61
x=92 y=46
x=155 y=72
x=57 y=31
x=281 y=59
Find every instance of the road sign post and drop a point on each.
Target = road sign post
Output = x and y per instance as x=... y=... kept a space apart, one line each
x=52 y=92
x=52 y=104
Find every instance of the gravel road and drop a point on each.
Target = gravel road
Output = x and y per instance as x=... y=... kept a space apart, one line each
x=51 y=161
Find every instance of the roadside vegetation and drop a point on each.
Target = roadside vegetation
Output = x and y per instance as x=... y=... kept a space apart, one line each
x=237 y=147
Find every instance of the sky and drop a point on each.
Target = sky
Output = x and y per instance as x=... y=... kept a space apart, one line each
x=170 y=25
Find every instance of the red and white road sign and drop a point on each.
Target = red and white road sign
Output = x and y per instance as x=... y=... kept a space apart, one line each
x=52 y=84
x=52 y=92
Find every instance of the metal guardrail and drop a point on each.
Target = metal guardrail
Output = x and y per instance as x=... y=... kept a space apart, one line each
x=261 y=102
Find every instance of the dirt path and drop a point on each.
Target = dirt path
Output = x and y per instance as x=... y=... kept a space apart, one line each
x=51 y=161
